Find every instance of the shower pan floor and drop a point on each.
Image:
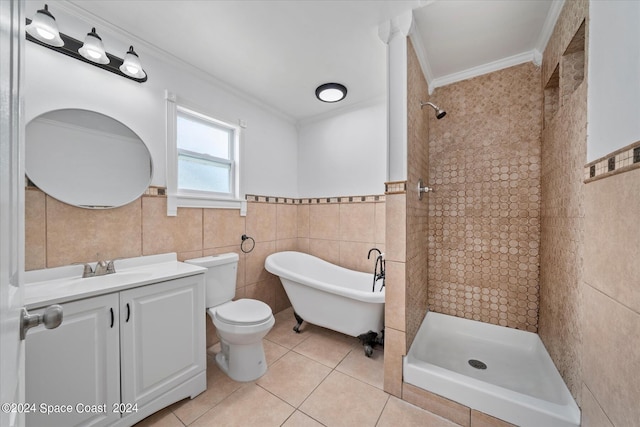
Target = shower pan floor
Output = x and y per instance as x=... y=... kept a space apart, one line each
x=501 y=371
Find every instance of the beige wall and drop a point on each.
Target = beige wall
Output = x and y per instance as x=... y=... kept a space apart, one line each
x=611 y=302
x=484 y=160
x=340 y=232
x=564 y=145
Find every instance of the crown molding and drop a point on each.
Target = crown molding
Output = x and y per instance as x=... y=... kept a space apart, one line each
x=490 y=67
x=163 y=56
x=549 y=25
x=416 y=40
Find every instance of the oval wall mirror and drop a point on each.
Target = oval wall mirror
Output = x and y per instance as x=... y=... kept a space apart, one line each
x=86 y=159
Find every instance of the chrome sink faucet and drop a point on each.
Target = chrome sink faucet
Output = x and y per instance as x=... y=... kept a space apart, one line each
x=102 y=268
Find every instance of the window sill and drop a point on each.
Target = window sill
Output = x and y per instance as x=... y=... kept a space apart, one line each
x=194 y=201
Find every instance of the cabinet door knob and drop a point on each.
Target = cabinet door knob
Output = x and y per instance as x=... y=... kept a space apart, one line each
x=128 y=313
x=51 y=319
x=112 y=317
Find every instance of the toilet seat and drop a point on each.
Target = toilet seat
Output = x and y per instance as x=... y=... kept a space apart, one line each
x=243 y=312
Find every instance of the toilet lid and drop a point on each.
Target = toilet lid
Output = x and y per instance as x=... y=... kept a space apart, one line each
x=244 y=312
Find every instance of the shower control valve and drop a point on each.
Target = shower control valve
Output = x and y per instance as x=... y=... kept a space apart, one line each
x=422 y=189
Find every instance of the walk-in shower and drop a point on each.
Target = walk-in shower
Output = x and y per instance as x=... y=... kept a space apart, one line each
x=440 y=113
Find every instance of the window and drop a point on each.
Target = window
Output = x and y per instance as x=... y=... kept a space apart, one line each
x=205 y=154
x=203 y=160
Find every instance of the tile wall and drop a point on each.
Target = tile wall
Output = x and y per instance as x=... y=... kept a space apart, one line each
x=407 y=224
x=564 y=145
x=484 y=213
x=418 y=124
x=589 y=287
x=339 y=230
x=610 y=297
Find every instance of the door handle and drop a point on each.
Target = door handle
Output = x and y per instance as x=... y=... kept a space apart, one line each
x=51 y=318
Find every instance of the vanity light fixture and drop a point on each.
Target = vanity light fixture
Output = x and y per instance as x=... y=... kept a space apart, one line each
x=93 y=49
x=331 y=92
x=43 y=30
x=131 y=65
x=43 y=27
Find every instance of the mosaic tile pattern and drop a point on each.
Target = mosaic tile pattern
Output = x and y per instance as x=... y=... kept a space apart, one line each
x=418 y=119
x=562 y=210
x=484 y=212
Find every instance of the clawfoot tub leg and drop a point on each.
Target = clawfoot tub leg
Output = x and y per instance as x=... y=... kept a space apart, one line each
x=369 y=340
x=299 y=320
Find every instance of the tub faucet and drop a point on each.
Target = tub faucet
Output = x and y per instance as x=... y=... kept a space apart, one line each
x=371 y=250
x=379 y=269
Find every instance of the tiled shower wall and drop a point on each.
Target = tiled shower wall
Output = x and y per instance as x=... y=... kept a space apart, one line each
x=407 y=223
x=564 y=147
x=338 y=230
x=417 y=210
x=484 y=213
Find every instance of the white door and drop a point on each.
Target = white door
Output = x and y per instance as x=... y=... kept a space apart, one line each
x=11 y=210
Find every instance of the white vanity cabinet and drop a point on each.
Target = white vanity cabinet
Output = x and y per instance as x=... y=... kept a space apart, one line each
x=76 y=363
x=119 y=357
x=162 y=337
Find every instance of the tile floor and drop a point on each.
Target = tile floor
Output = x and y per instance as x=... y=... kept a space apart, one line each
x=315 y=378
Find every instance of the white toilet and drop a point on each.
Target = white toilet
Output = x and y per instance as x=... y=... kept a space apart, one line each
x=240 y=324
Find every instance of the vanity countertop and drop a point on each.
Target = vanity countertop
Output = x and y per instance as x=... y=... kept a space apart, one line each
x=63 y=284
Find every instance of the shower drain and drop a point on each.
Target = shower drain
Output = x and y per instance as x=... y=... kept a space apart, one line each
x=477 y=364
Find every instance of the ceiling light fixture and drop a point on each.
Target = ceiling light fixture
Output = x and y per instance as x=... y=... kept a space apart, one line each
x=43 y=30
x=43 y=27
x=93 y=49
x=331 y=92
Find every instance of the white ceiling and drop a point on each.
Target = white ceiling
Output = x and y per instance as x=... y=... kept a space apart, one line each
x=278 y=52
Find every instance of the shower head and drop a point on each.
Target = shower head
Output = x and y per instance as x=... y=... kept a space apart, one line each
x=439 y=113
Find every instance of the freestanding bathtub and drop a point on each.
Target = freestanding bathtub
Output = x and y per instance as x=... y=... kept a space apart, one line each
x=500 y=371
x=328 y=295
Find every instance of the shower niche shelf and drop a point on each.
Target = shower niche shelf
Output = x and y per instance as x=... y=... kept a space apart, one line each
x=567 y=76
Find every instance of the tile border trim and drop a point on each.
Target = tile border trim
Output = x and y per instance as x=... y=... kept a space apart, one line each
x=155 y=191
x=395 y=187
x=252 y=198
x=619 y=161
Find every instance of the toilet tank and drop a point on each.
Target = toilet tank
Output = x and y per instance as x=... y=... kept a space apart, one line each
x=220 y=278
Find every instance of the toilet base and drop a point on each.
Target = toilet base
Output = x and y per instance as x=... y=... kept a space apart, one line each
x=242 y=362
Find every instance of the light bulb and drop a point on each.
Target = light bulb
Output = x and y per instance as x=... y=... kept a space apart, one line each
x=330 y=95
x=45 y=34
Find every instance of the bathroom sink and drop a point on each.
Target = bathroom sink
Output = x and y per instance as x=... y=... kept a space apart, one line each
x=104 y=280
x=124 y=276
x=60 y=284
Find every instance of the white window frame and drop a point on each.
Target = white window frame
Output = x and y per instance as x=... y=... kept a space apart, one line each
x=177 y=197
